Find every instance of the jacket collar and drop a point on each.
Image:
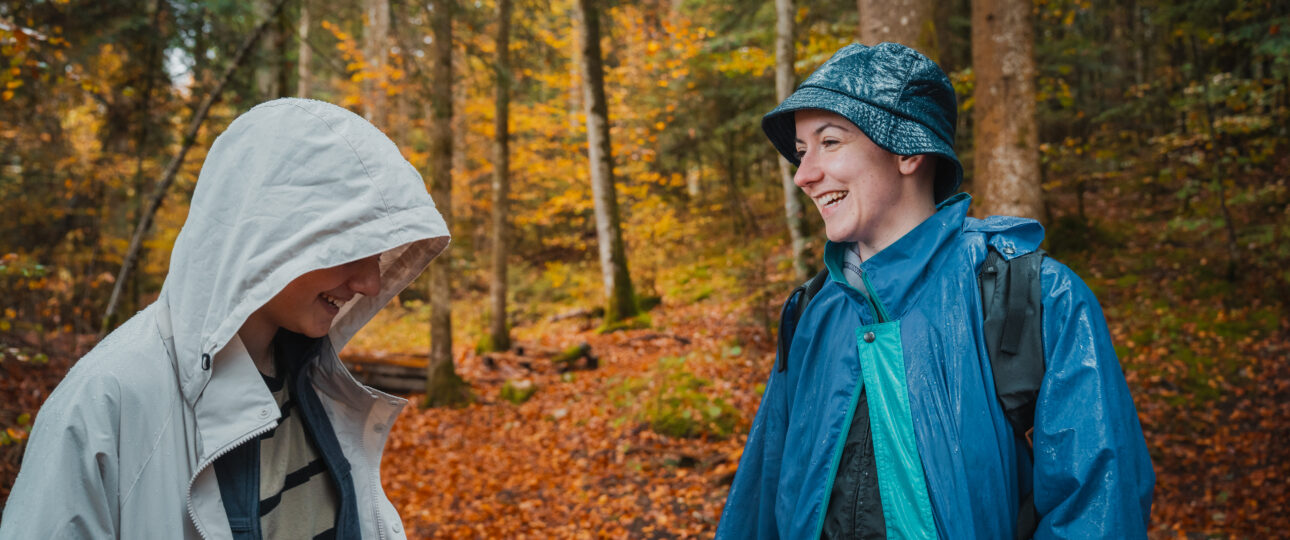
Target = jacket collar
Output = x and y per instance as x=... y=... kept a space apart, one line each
x=893 y=275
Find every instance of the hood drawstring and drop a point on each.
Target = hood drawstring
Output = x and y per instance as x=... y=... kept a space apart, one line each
x=206 y=362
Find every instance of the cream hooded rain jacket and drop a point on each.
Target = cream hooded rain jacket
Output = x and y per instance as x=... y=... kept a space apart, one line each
x=124 y=447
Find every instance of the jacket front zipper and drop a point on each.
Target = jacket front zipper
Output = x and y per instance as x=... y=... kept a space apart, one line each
x=879 y=313
x=192 y=512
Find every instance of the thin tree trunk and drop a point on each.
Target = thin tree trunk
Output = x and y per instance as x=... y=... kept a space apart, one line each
x=908 y=22
x=1007 y=135
x=785 y=80
x=620 y=300
x=304 y=54
x=1216 y=176
x=269 y=68
x=501 y=336
x=376 y=37
x=168 y=177
x=144 y=114
x=443 y=386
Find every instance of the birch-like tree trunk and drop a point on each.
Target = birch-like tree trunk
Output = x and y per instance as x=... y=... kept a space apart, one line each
x=908 y=22
x=304 y=55
x=270 y=70
x=501 y=336
x=620 y=300
x=785 y=81
x=1007 y=134
x=376 y=45
x=443 y=386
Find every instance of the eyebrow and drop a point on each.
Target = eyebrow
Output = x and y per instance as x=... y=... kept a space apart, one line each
x=822 y=128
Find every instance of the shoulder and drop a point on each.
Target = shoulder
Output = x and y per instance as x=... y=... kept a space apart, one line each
x=1064 y=291
x=131 y=365
x=1010 y=236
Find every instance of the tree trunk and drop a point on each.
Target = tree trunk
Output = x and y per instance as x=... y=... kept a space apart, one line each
x=785 y=80
x=1007 y=136
x=620 y=301
x=443 y=386
x=269 y=70
x=376 y=46
x=501 y=336
x=304 y=54
x=172 y=168
x=144 y=120
x=908 y=22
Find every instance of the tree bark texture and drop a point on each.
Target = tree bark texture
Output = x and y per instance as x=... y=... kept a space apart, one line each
x=908 y=22
x=785 y=81
x=501 y=336
x=1007 y=135
x=304 y=55
x=620 y=300
x=271 y=65
x=376 y=44
x=172 y=168
x=443 y=386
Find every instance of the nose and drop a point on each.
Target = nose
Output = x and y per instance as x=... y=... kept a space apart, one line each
x=366 y=279
x=807 y=172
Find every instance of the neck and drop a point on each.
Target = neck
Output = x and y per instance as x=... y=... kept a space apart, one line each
x=257 y=335
x=894 y=227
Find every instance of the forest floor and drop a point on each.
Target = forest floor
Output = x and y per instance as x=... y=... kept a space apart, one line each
x=574 y=461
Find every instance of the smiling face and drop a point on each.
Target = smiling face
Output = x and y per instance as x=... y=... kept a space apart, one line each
x=865 y=194
x=310 y=302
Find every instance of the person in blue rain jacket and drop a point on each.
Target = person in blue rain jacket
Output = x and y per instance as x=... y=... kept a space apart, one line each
x=882 y=420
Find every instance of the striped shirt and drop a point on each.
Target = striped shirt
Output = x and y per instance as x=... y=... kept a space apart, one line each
x=297 y=496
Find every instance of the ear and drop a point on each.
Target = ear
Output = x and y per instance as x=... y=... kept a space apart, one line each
x=909 y=164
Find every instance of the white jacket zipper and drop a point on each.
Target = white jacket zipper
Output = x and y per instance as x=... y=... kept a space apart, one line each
x=192 y=512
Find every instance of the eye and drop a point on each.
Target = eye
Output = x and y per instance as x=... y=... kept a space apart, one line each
x=830 y=143
x=799 y=153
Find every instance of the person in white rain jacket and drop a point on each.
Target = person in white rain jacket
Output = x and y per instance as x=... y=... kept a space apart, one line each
x=305 y=221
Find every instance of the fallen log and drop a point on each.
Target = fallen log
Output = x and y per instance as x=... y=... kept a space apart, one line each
x=585 y=313
x=655 y=335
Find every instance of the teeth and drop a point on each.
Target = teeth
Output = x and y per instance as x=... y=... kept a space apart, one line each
x=832 y=197
x=331 y=299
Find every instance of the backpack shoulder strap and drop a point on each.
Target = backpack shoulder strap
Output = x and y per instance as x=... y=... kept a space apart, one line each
x=1012 y=301
x=792 y=313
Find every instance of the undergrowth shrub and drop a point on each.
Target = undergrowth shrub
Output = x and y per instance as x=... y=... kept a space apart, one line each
x=674 y=402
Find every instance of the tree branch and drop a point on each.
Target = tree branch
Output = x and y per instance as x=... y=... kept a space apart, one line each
x=168 y=177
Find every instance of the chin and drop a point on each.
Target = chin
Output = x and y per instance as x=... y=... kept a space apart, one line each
x=311 y=331
x=837 y=237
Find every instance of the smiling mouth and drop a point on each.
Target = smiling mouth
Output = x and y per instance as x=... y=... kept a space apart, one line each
x=335 y=302
x=829 y=199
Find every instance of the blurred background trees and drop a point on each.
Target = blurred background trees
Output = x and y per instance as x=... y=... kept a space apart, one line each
x=1180 y=103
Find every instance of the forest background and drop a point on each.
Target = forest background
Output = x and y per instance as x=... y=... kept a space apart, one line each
x=605 y=317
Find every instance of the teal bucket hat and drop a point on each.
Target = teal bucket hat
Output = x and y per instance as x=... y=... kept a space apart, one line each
x=899 y=98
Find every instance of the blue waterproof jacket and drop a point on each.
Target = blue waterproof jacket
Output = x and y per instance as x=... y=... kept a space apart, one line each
x=948 y=464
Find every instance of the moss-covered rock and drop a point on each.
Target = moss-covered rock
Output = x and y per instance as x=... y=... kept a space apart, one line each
x=518 y=391
x=638 y=322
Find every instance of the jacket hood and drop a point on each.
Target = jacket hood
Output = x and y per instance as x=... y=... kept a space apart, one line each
x=292 y=186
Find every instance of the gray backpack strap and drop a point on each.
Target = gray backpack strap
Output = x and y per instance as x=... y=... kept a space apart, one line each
x=1011 y=297
x=792 y=313
x=1012 y=301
